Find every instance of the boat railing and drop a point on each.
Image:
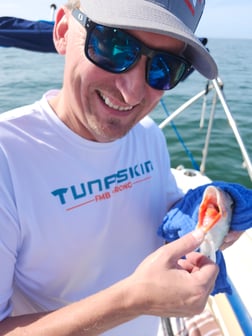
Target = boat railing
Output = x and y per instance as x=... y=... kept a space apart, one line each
x=216 y=86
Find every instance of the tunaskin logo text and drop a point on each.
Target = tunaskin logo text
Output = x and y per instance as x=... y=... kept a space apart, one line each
x=103 y=188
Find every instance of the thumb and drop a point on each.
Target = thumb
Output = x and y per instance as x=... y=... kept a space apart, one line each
x=187 y=243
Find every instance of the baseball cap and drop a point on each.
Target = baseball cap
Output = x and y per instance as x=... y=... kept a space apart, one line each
x=175 y=18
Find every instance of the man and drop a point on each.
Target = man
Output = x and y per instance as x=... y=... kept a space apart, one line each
x=85 y=180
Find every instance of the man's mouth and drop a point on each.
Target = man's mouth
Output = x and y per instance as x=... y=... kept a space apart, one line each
x=108 y=102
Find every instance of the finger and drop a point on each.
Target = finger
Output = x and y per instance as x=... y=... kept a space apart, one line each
x=197 y=258
x=202 y=270
x=186 y=244
x=187 y=265
x=194 y=261
x=208 y=268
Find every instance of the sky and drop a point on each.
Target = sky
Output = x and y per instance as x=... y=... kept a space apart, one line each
x=221 y=19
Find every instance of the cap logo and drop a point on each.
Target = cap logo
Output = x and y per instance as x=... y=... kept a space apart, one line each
x=191 y=4
x=188 y=11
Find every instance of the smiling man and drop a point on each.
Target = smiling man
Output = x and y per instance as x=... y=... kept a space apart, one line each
x=83 y=193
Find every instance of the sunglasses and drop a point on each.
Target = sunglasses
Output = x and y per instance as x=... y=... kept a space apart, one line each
x=116 y=51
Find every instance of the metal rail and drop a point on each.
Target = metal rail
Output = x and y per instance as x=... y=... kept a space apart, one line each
x=242 y=315
x=215 y=85
x=182 y=108
x=233 y=126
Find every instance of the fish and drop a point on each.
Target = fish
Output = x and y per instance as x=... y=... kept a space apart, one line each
x=214 y=218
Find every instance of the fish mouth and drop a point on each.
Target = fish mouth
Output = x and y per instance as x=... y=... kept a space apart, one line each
x=211 y=209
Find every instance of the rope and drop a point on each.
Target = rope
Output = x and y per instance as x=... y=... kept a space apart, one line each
x=188 y=152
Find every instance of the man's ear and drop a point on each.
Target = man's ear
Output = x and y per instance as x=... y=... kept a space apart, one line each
x=60 y=31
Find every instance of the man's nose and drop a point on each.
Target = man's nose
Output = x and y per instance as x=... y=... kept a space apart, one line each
x=132 y=83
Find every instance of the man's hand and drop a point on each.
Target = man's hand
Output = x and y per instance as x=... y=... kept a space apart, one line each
x=170 y=285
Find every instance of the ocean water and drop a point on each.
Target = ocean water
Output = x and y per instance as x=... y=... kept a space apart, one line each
x=25 y=76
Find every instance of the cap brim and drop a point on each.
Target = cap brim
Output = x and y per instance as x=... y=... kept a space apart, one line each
x=152 y=18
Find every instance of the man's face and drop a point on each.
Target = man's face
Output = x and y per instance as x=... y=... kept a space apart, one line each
x=102 y=106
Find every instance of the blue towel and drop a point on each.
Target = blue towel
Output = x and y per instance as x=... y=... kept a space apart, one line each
x=183 y=217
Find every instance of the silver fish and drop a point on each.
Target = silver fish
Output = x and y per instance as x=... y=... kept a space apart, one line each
x=215 y=213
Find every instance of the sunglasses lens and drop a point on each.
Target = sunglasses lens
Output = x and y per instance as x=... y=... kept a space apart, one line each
x=111 y=49
x=165 y=71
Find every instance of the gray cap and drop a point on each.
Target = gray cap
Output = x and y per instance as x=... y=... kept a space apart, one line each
x=175 y=18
